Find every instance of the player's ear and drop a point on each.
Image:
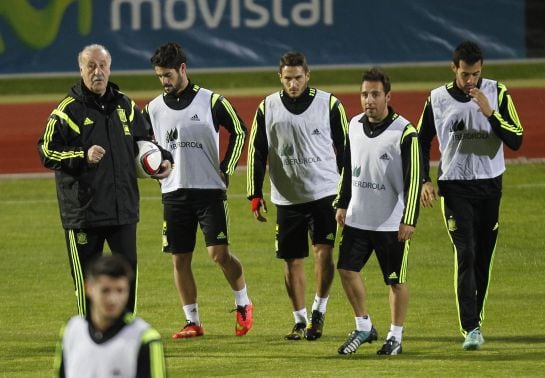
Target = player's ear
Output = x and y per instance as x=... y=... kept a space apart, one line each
x=88 y=288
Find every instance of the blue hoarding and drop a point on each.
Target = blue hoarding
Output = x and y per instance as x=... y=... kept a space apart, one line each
x=39 y=36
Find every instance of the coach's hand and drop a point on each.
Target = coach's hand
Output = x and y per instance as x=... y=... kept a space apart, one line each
x=257 y=203
x=428 y=194
x=95 y=154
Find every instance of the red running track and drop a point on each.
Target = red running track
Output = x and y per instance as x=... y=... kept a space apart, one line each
x=22 y=124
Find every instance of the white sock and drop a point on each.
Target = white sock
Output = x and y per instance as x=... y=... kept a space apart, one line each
x=363 y=323
x=241 y=297
x=191 y=312
x=395 y=331
x=319 y=304
x=300 y=316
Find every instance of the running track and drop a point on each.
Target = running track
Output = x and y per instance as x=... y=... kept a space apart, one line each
x=22 y=124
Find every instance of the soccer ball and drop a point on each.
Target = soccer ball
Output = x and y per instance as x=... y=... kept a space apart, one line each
x=148 y=159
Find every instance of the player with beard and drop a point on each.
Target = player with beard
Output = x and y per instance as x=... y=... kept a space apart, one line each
x=186 y=121
x=300 y=131
x=378 y=207
x=473 y=118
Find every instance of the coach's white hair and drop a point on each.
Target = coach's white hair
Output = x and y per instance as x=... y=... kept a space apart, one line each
x=94 y=47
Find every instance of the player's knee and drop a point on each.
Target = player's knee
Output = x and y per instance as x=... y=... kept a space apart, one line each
x=181 y=261
x=221 y=256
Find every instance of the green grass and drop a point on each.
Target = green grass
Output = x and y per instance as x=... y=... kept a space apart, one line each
x=419 y=76
x=37 y=295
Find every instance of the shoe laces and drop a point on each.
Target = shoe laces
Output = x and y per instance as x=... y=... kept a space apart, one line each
x=317 y=318
x=241 y=310
x=189 y=323
x=392 y=341
x=355 y=336
x=353 y=342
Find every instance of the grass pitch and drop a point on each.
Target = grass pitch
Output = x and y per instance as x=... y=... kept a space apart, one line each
x=37 y=294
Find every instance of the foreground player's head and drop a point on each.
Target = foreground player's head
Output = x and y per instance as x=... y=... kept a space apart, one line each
x=375 y=94
x=293 y=73
x=467 y=62
x=108 y=286
x=94 y=65
x=170 y=64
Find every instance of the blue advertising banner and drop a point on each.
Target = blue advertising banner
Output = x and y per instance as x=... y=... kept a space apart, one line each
x=44 y=36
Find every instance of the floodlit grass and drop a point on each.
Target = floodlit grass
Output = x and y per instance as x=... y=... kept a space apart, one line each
x=37 y=295
x=423 y=76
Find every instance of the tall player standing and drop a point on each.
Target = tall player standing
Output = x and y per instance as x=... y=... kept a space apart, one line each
x=472 y=117
x=301 y=132
x=186 y=120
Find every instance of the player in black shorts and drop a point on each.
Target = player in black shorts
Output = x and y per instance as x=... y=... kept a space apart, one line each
x=378 y=206
x=186 y=121
x=299 y=132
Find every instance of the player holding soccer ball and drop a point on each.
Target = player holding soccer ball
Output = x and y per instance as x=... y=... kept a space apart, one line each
x=90 y=142
x=186 y=120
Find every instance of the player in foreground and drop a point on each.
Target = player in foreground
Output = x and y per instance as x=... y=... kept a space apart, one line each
x=472 y=117
x=90 y=142
x=109 y=342
x=378 y=205
x=186 y=120
x=300 y=131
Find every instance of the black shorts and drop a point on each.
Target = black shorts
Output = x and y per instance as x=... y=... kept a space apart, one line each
x=356 y=246
x=294 y=224
x=180 y=224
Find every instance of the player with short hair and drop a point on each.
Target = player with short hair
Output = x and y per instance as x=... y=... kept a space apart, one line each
x=472 y=117
x=378 y=206
x=90 y=142
x=300 y=131
x=186 y=121
x=109 y=342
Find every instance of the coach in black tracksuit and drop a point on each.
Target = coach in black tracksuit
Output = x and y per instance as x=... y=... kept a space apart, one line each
x=90 y=142
x=473 y=118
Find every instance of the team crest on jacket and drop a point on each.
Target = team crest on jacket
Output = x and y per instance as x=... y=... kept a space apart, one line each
x=81 y=238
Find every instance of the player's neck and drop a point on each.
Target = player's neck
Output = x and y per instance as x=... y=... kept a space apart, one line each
x=101 y=323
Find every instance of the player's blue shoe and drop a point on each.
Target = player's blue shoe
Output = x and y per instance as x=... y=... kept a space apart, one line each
x=474 y=340
x=356 y=338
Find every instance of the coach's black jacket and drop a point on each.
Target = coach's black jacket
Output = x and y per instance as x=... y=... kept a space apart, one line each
x=103 y=194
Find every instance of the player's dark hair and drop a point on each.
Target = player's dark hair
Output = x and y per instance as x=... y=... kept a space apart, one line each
x=293 y=59
x=469 y=52
x=169 y=55
x=376 y=74
x=114 y=266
